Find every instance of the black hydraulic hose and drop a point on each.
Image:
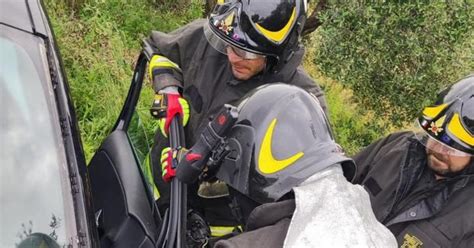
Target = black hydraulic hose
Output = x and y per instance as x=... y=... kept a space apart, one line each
x=175 y=234
x=163 y=229
x=172 y=233
x=184 y=214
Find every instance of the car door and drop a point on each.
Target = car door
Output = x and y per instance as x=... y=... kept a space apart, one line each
x=126 y=215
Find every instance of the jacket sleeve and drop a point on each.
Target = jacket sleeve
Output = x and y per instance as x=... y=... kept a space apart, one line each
x=365 y=158
x=176 y=48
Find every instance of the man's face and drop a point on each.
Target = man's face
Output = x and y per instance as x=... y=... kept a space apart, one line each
x=444 y=161
x=243 y=68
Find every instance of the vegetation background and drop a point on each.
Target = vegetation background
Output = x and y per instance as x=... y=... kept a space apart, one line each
x=379 y=62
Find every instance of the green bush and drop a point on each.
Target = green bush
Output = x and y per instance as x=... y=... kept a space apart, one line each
x=354 y=127
x=395 y=55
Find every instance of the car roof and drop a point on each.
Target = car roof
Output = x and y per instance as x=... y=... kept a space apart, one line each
x=24 y=15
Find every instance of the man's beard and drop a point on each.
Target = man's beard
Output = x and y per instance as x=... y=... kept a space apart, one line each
x=445 y=173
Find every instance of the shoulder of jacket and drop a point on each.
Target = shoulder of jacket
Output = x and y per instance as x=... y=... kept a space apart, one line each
x=197 y=24
x=192 y=27
x=399 y=138
x=397 y=142
x=301 y=74
x=302 y=79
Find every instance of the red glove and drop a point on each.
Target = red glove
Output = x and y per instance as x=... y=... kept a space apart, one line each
x=166 y=106
x=169 y=160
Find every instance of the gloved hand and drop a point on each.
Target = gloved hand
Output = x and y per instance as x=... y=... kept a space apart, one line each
x=166 y=105
x=168 y=157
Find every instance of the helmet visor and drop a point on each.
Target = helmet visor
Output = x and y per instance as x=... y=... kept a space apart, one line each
x=225 y=48
x=440 y=146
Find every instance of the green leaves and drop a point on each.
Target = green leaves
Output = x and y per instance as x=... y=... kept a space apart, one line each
x=395 y=56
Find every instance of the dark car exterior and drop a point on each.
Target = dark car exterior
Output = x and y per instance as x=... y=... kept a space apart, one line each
x=45 y=195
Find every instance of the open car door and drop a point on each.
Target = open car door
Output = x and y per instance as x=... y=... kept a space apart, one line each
x=124 y=206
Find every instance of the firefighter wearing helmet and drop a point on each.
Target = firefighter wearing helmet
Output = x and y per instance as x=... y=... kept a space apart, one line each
x=421 y=183
x=207 y=63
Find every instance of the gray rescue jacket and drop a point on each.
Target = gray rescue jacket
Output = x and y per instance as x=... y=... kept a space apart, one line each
x=389 y=168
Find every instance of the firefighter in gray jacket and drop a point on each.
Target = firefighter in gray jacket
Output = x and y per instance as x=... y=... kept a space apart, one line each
x=207 y=63
x=421 y=184
x=288 y=180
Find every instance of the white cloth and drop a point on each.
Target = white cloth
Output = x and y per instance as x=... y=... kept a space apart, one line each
x=332 y=212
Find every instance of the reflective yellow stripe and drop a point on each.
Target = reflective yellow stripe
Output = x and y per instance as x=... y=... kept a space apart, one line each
x=278 y=36
x=267 y=163
x=158 y=61
x=219 y=231
x=456 y=128
x=432 y=112
x=149 y=176
x=219 y=2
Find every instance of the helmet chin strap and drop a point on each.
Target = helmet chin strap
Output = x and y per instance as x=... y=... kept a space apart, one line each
x=278 y=63
x=292 y=46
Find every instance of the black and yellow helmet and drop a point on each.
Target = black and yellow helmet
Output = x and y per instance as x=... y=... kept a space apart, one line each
x=281 y=138
x=450 y=121
x=271 y=28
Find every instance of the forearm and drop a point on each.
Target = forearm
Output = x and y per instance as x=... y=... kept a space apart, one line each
x=166 y=80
